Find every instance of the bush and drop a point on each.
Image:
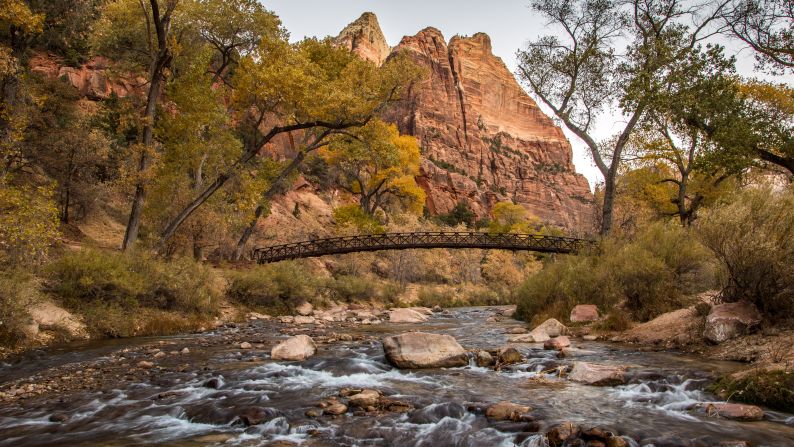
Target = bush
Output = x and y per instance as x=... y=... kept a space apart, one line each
x=652 y=274
x=753 y=238
x=111 y=288
x=773 y=389
x=277 y=288
x=348 y=288
x=17 y=291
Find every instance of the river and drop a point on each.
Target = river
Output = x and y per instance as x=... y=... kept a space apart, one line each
x=173 y=406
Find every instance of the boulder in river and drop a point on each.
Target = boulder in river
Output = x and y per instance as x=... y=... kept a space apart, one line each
x=561 y=433
x=424 y=350
x=406 y=316
x=508 y=411
x=552 y=328
x=727 y=321
x=739 y=412
x=257 y=415
x=484 y=359
x=508 y=355
x=598 y=375
x=364 y=399
x=296 y=348
x=300 y=319
x=536 y=336
x=557 y=343
x=584 y=312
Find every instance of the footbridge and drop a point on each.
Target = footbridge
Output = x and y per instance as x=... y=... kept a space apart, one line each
x=425 y=239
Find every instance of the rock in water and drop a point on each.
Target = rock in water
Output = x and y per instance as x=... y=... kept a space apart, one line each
x=297 y=348
x=416 y=350
x=584 y=312
x=598 y=375
x=557 y=343
x=552 y=328
x=536 y=336
x=508 y=411
x=509 y=355
x=484 y=359
x=364 y=399
x=406 y=316
x=726 y=321
x=739 y=412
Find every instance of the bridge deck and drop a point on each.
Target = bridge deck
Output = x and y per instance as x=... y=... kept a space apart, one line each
x=403 y=241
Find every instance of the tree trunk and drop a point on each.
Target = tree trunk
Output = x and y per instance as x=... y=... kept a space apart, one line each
x=156 y=77
x=607 y=211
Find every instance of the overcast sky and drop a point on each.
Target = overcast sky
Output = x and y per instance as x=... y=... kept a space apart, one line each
x=510 y=23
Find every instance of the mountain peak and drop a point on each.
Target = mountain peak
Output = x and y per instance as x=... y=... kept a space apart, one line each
x=365 y=38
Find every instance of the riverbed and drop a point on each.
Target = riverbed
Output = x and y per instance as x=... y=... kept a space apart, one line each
x=195 y=398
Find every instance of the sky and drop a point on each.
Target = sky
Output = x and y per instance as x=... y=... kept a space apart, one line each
x=510 y=23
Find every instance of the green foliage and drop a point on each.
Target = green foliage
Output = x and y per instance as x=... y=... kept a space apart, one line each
x=647 y=276
x=354 y=288
x=752 y=236
x=773 y=389
x=67 y=27
x=460 y=214
x=277 y=288
x=125 y=283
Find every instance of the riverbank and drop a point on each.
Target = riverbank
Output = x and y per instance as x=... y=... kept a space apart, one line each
x=192 y=390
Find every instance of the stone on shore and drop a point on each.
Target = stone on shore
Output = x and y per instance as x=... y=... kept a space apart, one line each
x=536 y=336
x=557 y=343
x=727 y=321
x=597 y=375
x=406 y=316
x=414 y=350
x=305 y=309
x=584 y=313
x=300 y=319
x=552 y=328
x=296 y=348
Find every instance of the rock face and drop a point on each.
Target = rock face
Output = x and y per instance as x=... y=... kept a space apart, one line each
x=483 y=139
x=598 y=375
x=92 y=80
x=726 y=321
x=297 y=348
x=365 y=38
x=584 y=312
x=422 y=350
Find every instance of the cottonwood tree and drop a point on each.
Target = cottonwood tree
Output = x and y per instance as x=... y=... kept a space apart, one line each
x=766 y=26
x=311 y=86
x=609 y=55
x=140 y=33
x=378 y=165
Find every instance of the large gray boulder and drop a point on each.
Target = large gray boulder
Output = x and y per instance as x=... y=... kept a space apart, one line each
x=406 y=316
x=414 y=350
x=552 y=328
x=727 y=321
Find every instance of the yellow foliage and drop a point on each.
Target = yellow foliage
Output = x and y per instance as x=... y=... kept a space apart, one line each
x=28 y=224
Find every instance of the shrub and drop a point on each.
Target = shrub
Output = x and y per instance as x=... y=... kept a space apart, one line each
x=649 y=275
x=278 y=288
x=349 y=288
x=753 y=238
x=437 y=296
x=17 y=291
x=111 y=288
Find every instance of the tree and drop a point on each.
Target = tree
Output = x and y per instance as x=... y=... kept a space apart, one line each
x=584 y=73
x=460 y=214
x=766 y=26
x=142 y=35
x=511 y=217
x=378 y=165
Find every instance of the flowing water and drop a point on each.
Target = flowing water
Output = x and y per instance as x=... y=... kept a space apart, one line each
x=174 y=408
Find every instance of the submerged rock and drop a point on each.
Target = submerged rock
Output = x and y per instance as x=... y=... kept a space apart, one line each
x=297 y=348
x=424 y=350
x=584 y=312
x=257 y=415
x=598 y=375
x=727 y=321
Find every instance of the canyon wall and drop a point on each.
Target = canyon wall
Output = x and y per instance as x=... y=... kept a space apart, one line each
x=483 y=139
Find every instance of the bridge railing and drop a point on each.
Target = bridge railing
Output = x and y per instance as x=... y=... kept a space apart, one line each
x=427 y=239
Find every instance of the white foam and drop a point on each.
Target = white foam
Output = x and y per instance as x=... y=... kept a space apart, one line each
x=301 y=378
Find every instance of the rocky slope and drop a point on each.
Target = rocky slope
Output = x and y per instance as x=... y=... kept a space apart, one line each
x=484 y=140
